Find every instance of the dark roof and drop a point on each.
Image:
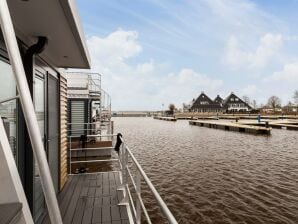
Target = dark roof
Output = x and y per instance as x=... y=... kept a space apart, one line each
x=218 y=99
x=233 y=96
x=203 y=101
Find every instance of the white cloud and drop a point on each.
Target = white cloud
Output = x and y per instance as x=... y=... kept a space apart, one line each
x=237 y=57
x=250 y=90
x=112 y=51
x=146 y=67
x=142 y=86
x=289 y=74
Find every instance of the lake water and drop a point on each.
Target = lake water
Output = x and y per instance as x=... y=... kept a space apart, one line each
x=215 y=176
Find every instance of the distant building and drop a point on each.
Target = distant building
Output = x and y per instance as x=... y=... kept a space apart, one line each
x=271 y=110
x=235 y=104
x=204 y=104
x=218 y=100
x=290 y=108
x=232 y=103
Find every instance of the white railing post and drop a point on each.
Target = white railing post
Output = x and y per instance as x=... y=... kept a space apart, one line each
x=138 y=203
x=123 y=187
x=29 y=113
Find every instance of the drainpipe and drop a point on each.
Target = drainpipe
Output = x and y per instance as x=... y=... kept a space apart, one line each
x=29 y=113
x=35 y=49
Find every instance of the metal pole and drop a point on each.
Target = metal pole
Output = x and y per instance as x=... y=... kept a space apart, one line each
x=138 y=203
x=70 y=154
x=29 y=113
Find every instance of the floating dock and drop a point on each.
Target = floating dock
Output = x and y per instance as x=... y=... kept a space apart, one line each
x=278 y=124
x=230 y=126
x=166 y=118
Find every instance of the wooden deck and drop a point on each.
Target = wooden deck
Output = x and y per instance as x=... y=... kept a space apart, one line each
x=279 y=124
x=92 y=198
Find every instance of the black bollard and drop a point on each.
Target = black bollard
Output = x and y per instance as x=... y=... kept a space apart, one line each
x=118 y=142
x=266 y=124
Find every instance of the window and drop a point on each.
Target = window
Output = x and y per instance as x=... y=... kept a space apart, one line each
x=8 y=110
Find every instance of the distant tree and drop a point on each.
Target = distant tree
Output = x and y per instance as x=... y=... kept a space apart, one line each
x=289 y=103
x=246 y=99
x=274 y=102
x=254 y=104
x=295 y=97
x=172 y=107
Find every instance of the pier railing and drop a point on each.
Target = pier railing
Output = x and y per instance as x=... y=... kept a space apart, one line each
x=129 y=181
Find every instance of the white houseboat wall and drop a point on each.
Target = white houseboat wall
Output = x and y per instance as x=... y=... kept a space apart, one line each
x=49 y=39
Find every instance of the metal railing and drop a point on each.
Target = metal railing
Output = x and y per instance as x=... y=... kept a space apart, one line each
x=126 y=158
x=84 y=80
x=86 y=149
x=93 y=128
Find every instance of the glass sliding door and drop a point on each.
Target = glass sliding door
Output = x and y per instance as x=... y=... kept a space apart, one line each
x=53 y=128
x=8 y=110
x=39 y=104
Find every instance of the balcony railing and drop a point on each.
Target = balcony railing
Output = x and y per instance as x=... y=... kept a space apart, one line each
x=129 y=180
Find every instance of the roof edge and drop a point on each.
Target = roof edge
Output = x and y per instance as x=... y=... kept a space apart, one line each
x=72 y=16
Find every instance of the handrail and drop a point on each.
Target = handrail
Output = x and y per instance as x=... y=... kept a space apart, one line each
x=125 y=174
x=9 y=99
x=29 y=113
x=165 y=210
x=158 y=198
x=106 y=135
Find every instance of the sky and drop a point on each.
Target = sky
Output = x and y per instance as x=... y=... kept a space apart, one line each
x=155 y=52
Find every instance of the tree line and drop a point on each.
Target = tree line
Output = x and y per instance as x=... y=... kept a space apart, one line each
x=273 y=101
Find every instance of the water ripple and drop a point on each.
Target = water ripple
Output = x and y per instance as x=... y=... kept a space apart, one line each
x=214 y=176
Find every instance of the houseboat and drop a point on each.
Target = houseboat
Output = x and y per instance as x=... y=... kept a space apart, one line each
x=38 y=40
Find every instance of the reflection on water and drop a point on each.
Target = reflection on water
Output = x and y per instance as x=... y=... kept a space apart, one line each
x=214 y=176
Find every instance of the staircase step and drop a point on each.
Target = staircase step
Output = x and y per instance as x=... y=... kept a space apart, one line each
x=9 y=212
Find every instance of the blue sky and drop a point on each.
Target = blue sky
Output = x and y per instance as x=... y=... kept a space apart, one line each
x=154 y=52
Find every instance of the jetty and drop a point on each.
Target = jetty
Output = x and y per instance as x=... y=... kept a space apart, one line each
x=277 y=124
x=166 y=118
x=232 y=126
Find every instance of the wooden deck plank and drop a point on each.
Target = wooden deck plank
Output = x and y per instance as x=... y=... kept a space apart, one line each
x=116 y=222
x=87 y=217
x=106 y=201
x=123 y=213
x=64 y=200
x=92 y=199
x=117 y=178
x=73 y=202
x=97 y=202
x=115 y=212
x=96 y=217
x=79 y=212
x=106 y=214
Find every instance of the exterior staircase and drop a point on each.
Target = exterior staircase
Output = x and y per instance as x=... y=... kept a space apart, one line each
x=10 y=213
x=13 y=203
